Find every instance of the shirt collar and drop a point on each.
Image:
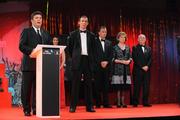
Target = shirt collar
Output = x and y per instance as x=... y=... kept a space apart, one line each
x=101 y=39
x=36 y=29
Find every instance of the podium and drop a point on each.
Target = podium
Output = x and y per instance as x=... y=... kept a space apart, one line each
x=47 y=80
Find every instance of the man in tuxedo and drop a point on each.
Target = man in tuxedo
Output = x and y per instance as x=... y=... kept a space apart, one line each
x=141 y=55
x=29 y=39
x=102 y=71
x=81 y=50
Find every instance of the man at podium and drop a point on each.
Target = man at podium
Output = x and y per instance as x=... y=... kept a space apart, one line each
x=29 y=39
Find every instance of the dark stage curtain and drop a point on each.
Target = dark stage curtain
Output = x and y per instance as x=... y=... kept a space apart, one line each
x=161 y=31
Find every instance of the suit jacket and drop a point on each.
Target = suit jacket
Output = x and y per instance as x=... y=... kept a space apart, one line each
x=141 y=59
x=29 y=41
x=74 y=48
x=101 y=55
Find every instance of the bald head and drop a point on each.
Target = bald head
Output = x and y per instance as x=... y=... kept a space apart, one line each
x=142 y=39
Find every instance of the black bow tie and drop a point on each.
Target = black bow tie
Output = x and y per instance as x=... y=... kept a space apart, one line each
x=142 y=45
x=85 y=31
x=102 y=40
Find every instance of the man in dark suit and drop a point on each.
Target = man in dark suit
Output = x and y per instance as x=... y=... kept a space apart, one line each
x=102 y=65
x=81 y=46
x=29 y=39
x=141 y=55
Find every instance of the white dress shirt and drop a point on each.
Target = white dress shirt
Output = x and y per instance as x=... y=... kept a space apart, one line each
x=143 y=48
x=37 y=29
x=102 y=43
x=83 y=43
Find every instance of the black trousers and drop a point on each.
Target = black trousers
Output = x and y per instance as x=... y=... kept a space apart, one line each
x=101 y=86
x=28 y=91
x=87 y=77
x=141 y=80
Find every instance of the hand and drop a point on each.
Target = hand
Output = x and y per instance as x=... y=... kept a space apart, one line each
x=104 y=64
x=145 y=68
x=127 y=62
x=31 y=53
x=117 y=61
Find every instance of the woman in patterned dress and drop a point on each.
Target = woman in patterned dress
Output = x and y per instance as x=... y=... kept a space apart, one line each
x=121 y=79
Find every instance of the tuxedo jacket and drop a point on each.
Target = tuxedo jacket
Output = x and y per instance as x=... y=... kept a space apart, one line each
x=29 y=41
x=101 y=55
x=74 y=48
x=141 y=59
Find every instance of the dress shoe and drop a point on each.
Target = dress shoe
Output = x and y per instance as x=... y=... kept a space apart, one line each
x=98 y=106
x=90 y=110
x=124 y=106
x=34 y=112
x=107 y=106
x=72 y=110
x=27 y=113
x=135 y=105
x=1 y=90
x=147 y=105
x=118 y=105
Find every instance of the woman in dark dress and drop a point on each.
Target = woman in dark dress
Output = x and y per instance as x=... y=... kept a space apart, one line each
x=121 y=79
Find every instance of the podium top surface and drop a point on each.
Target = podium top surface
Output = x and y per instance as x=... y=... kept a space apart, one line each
x=40 y=47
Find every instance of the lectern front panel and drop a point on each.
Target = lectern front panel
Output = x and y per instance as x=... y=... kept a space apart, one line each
x=50 y=82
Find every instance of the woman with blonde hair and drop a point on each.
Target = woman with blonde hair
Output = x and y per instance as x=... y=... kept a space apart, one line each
x=121 y=79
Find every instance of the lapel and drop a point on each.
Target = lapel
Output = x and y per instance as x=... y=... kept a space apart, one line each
x=140 y=49
x=105 y=46
x=88 y=40
x=100 y=45
x=33 y=31
x=78 y=37
x=33 y=34
x=42 y=35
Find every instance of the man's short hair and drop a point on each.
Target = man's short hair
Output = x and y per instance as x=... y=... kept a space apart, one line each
x=36 y=13
x=101 y=27
x=83 y=16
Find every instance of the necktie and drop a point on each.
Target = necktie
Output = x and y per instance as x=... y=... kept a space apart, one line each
x=39 y=37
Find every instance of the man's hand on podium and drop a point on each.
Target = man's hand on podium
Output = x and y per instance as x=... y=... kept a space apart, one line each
x=31 y=53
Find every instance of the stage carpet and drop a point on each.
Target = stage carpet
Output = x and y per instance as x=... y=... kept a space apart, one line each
x=157 y=111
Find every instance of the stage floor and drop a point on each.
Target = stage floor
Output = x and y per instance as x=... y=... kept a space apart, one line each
x=156 y=111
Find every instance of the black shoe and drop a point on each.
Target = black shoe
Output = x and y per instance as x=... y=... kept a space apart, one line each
x=107 y=106
x=90 y=110
x=98 y=106
x=72 y=110
x=135 y=105
x=27 y=113
x=34 y=112
x=124 y=105
x=1 y=90
x=147 y=105
x=118 y=105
